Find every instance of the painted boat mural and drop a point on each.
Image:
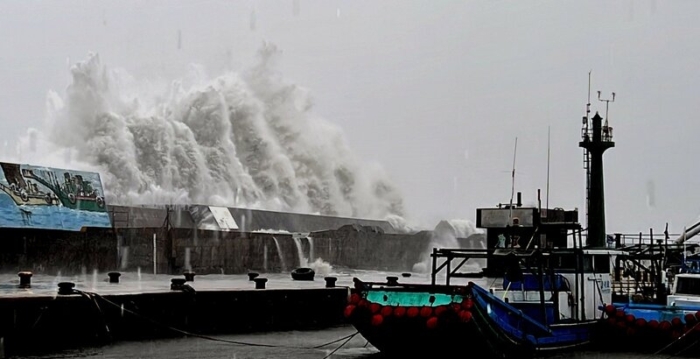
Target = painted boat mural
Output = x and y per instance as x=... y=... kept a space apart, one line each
x=50 y=198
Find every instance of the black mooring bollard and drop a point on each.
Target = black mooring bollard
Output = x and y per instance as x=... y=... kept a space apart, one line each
x=177 y=283
x=330 y=282
x=252 y=276
x=406 y=274
x=189 y=276
x=65 y=288
x=392 y=280
x=260 y=283
x=114 y=277
x=25 y=279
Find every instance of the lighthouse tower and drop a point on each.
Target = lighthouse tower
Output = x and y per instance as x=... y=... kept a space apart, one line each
x=596 y=138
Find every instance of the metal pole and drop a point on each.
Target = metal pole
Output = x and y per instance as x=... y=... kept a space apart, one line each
x=578 y=292
x=434 y=255
x=155 y=255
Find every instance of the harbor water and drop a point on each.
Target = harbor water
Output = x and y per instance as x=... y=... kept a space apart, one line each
x=293 y=344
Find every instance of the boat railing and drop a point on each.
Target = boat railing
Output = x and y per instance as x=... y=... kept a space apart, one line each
x=395 y=285
x=642 y=239
x=450 y=254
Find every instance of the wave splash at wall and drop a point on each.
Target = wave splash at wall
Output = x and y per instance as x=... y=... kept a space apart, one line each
x=244 y=139
x=446 y=235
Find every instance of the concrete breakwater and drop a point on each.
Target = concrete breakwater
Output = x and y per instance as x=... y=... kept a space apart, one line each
x=160 y=241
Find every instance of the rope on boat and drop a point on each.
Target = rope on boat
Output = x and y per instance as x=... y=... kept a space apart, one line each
x=347 y=338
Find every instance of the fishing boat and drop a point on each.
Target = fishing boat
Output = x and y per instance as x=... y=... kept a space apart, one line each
x=551 y=283
x=656 y=302
x=545 y=302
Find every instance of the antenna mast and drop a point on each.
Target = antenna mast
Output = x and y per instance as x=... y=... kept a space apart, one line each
x=548 y=145
x=607 y=103
x=586 y=155
x=512 y=186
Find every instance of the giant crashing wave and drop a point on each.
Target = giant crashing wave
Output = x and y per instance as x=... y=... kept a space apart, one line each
x=241 y=139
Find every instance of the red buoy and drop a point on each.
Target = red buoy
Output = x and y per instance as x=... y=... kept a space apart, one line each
x=640 y=322
x=697 y=315
x=386 y=311
x=612 y=321
x=432 y=322
x=439 y=310
x=629 y=318
x=676 y=322
x=363 y=303
x=399 y=312
x=412 y=312
x=665 y=325
x=620 y=313
x=456 y=307
x=426 y=312
x=653 y=324
x=465 y=316
x=609 y=310
x=349 y=310
x=354 y=298
x=467 y=303
x=374 y=308
x=690 y=320
x=377 y=320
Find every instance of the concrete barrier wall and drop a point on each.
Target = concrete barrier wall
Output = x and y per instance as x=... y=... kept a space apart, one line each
x=207 y=252
x=45 y=251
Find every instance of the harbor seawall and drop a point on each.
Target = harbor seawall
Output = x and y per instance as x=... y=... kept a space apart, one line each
x=181 y=246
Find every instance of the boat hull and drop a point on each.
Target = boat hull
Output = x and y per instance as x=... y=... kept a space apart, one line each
x=411 y=320
x=423 y=319
x=514 y=334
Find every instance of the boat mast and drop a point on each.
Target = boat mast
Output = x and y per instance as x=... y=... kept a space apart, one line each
x=546 y=206
x=512 y=184
x=596 y=138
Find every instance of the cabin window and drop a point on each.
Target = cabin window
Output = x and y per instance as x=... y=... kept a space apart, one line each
x=687 y=285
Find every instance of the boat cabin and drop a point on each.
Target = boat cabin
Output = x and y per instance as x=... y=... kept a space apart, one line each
x=686 y=291
x=523 y=227
x=547 y=272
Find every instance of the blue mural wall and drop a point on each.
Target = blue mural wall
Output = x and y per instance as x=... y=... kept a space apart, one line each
x=51 y=198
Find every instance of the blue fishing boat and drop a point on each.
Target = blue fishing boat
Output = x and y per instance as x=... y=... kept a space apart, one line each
x=660 y=312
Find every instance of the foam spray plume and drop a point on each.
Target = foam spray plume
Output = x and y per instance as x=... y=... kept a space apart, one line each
x=445 y=235
x=241 y=139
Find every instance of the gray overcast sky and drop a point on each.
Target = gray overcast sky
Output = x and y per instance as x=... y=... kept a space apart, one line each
x=434 y=91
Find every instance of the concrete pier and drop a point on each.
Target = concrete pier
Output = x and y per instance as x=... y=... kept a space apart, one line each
x=151 y=309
